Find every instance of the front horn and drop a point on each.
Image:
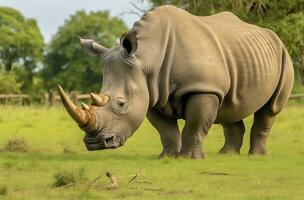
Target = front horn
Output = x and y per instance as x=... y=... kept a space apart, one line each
x=82 y=117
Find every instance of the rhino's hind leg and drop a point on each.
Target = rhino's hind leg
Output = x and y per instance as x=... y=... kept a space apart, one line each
x=264 y=118
x=200 y=113
x=234 y=133
x=169 y=133
x=263 y=121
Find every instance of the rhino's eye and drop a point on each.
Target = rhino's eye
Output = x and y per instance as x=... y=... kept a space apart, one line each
x=121 y=105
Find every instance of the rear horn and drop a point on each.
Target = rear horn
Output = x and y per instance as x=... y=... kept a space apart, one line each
x=99 y=100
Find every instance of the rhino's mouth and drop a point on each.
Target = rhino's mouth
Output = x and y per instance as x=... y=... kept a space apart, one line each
x=103 y=141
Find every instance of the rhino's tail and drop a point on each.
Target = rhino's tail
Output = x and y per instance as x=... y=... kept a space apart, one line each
x=283 y=90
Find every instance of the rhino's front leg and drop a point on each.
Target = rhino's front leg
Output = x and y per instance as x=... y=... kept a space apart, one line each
x=200 y=113
x=169 y=133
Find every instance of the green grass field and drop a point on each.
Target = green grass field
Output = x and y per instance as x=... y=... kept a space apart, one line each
x=56 y=146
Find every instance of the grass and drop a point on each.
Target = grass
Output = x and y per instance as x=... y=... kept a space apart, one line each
x=57 y=150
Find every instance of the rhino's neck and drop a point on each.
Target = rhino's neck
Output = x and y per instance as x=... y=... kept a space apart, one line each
x=156 y=48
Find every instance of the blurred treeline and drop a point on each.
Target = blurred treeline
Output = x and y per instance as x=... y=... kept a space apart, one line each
x=28 y=65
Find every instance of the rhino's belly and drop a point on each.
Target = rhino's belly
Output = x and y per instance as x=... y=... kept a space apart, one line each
x=242 y=103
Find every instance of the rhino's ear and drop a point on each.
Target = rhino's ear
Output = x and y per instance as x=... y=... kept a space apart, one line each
x=129 y=42
x=92 y=48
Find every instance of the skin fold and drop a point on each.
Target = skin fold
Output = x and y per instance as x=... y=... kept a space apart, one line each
x=173 y=65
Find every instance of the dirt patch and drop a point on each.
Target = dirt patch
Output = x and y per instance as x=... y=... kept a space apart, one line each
x=17 y=145
x=67 y=150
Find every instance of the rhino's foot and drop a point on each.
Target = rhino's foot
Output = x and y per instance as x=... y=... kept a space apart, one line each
x=258 y=150
x=258 y=144
x=192 y=153
x=229 y=150
x=171 y=153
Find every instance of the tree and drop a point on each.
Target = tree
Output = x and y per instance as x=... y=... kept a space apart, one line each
x=21 y=44
x=285 y=17
x=67 y=63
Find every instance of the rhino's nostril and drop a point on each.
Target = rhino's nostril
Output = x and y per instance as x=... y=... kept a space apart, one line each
x=110 y=141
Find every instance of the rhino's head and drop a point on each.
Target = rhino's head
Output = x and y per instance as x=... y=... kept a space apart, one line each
x=122 y=104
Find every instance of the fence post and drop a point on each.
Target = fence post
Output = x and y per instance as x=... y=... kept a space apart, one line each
x=46 y=99
x=20 y=101
x=74 y=97
x=6 y=101
x=52 y=98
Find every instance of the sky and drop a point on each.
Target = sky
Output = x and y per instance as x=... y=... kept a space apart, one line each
x=50 y=14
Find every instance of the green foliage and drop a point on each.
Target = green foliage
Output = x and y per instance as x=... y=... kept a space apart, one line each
x=249 y=9
x=291 y=31
x=285 y=17
x=8 y=83
x=21 y=45
x=67 y=63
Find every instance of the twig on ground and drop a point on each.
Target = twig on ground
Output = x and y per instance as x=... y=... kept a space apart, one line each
x=215 y=173
x=93 y=181
x=148 y=189
x=133 y=178
x=139 y=173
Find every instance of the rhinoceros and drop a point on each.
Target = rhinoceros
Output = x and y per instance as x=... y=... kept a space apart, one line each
x=204 y=69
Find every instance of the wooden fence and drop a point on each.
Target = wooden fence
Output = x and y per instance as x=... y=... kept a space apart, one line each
x=52 y=98
x=19 y=98
x=296 y=96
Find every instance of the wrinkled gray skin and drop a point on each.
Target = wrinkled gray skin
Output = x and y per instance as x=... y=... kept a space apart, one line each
x=173 y=65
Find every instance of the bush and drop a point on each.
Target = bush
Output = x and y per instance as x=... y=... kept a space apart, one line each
x=9 y=84
x=64 y=179
x=67 y=179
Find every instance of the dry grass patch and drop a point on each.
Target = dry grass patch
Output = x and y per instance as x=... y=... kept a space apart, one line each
x=3 y=190
x=17 y=145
